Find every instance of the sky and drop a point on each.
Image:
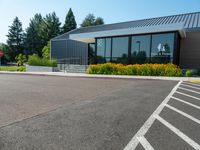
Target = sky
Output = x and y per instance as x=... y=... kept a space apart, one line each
x=111 y=10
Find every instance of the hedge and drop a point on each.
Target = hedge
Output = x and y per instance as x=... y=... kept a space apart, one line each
x=136 y=69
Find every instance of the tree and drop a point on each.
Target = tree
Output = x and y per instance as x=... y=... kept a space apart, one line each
x=99 y=21
x=46 y=51
x=15 y=37
x=90 y=20
x=33 y=41
x=50 y=27
x=8 y=53
x=70 y=22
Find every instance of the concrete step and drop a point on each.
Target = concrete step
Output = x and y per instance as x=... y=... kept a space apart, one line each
x=72 y=68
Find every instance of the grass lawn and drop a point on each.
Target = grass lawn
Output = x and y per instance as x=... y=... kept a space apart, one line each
x=13 y=68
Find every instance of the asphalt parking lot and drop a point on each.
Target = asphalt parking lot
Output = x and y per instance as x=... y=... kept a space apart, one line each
x=176 y=122
x=59 y=113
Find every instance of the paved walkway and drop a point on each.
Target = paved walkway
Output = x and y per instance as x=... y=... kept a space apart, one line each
x=195 y=79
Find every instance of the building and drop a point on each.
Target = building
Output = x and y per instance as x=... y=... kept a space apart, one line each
x=170 y=39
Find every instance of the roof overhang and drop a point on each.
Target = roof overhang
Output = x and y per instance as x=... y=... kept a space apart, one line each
x=90 y=36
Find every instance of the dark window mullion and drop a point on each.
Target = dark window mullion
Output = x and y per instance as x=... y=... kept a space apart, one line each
x=150 y=48
x=129 y=49
x=111 y=49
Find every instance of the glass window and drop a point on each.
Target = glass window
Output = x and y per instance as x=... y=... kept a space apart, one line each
x=91 y=53
x=162 y=48
x=140 y=49
x=103 y=50
x=120 y=50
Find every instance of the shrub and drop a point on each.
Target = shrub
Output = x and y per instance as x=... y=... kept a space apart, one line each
x=35 y=60
x=21 y=69
x=136 y=69
x=46 y=51
x=188 y=73
x=20 y=59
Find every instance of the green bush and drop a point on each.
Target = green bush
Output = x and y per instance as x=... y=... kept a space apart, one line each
x=13 y=68
x=188 y=73
x=137 y=69
x=35 y=60
x=20 y=59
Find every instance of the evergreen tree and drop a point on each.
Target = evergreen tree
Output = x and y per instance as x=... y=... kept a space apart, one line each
x=33 y=41
x=15 y=37
x=70 y=22
x=50 y=28
x=90 y=20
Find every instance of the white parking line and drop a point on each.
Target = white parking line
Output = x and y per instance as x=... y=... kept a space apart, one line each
x=188 y=95
x=184 y=137
x=190 y=86
x=143 y=130
x=192 y=83
x=180 y=100
x=145 y=143
x=189 y=90
x=183 y=113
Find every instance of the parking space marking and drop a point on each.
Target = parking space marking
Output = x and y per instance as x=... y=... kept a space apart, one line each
x=146 y=145
x=183 y=113
x=192 y=83
x=191 y=86
x=189 y=90
x=184 y=137
x=188 y=95
x=180 y=100
x=146 y=126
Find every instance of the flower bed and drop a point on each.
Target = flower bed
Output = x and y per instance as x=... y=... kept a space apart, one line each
x=136 y=69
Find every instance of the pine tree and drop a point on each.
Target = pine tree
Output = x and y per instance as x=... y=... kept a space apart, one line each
x=70 y=22
x=50 y=28
x=15 y=37
x=33 y=41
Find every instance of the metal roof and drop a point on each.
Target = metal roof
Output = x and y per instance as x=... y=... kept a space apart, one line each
x=189 y=21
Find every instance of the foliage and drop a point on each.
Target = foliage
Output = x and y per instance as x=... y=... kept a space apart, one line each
x=50 y=27
x=90 y=20
x=136 y=69
x=33 y=38
x=46 y=51
x=20 y=59
x=70 y=22
x=7 y=52
x=15 y=37
x=35 y=60
x=99 y=21
x=13 y=68
x=188 y=73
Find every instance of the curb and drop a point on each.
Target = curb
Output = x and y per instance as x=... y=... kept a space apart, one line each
x=81 y=75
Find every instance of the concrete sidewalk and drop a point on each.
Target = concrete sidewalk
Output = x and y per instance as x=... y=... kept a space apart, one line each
x=83 y=75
